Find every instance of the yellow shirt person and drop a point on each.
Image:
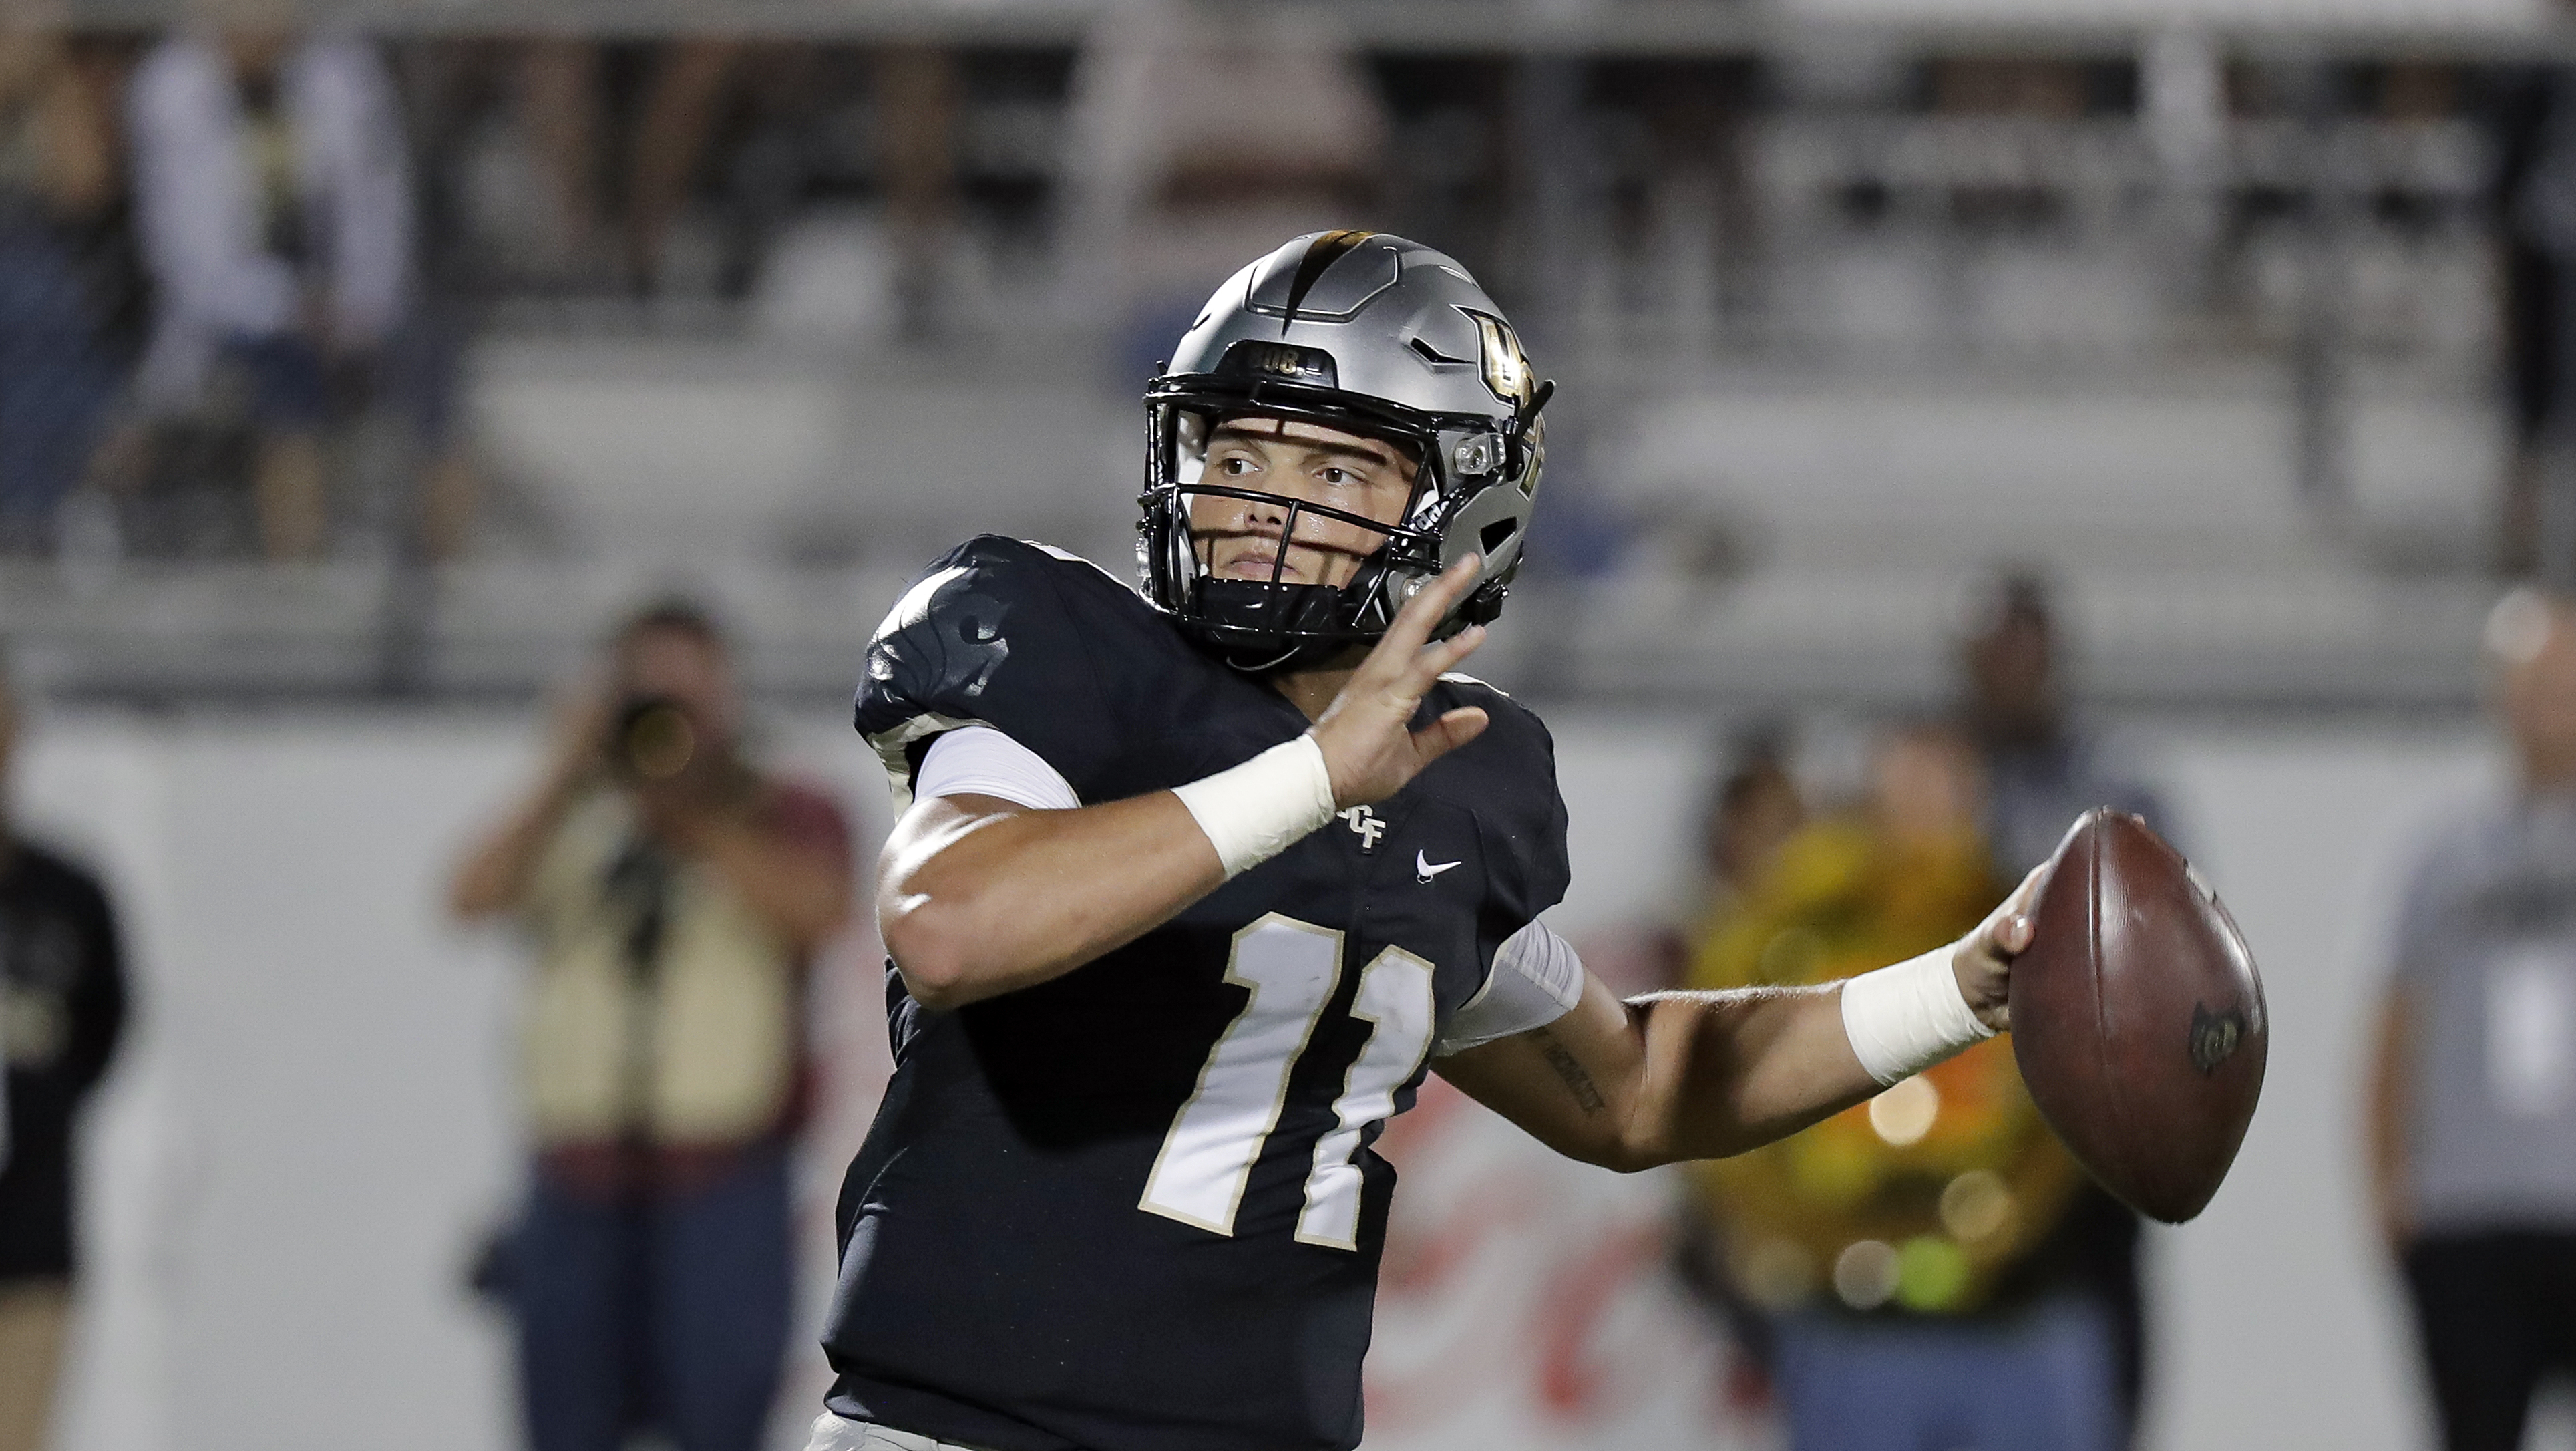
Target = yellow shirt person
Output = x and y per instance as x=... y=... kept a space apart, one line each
x=1925 y=1195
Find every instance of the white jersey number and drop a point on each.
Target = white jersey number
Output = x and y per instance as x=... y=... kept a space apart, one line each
x=1291 y=968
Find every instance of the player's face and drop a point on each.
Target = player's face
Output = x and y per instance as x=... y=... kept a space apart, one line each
x=1243 y=538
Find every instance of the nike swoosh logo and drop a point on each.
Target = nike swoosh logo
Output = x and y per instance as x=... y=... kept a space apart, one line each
x=1424 y=868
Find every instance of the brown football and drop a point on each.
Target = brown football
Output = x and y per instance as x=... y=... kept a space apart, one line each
x=2138 y=1018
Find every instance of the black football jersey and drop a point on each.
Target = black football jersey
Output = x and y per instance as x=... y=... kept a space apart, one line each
x=1136 y=1208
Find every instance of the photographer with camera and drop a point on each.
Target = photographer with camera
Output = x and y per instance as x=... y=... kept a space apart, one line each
x=672 y=896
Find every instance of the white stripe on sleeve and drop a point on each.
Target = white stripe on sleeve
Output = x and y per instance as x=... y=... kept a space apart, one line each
x=978 y=760
x=1537 y=979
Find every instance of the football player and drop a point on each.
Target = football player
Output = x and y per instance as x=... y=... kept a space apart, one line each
x=1191 y=886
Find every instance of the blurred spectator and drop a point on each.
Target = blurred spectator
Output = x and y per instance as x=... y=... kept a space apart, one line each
x=918 y=100
x=62 y=1009
x=1198 y=141
x=1888 y=1248
x=563 y=103
x=505 y=135
x=672 y=894
x=274 y=197
x=570 y=163
x=59 y=191
x=2041 y=773
x=1757 y=809
x=2473 y=1099
x=2531 y=115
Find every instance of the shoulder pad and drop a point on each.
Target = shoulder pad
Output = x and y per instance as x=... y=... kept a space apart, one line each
x=1507 y=777
x=1067 y=556
x=994 y=633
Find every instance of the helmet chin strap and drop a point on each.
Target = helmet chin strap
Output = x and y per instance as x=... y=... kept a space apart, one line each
x=1271 y=666
x=1256 y=646
x=1299 y=655
x=1290 y=653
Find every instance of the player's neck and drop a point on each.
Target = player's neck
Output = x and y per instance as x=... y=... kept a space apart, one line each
x=1313 y=691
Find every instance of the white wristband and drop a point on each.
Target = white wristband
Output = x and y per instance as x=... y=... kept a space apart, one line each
x=1903 y=1019
x=1257 y=810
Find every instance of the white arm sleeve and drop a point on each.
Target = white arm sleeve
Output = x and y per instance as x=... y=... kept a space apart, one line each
x=1537 y=979
x=978 y=760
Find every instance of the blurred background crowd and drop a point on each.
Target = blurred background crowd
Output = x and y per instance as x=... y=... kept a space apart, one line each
x=478 y=321
x=1970 y=412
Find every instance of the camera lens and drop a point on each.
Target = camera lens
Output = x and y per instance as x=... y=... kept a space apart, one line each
x=655 y=740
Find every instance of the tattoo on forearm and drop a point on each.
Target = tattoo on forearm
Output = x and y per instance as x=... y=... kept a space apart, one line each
x=1587 y=1094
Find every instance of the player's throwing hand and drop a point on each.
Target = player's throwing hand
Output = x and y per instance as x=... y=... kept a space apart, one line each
x=1983 y=959
x=1370 y=749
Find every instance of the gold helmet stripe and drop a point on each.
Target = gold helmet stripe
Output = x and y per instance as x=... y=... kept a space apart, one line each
x=1321 y=254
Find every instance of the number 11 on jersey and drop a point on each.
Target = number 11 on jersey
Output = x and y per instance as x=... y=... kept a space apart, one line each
x=1291 y=968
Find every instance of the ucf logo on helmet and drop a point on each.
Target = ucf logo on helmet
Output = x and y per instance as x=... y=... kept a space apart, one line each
x=1507 y=369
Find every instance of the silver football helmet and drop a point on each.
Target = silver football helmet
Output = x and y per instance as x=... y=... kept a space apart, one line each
x=1372 y=335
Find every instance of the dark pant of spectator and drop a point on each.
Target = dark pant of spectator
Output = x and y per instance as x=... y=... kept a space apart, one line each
x=56 y=380
x=2497 y=1311
x=284 y=382
x=671 y=1312
x=2045 y=1379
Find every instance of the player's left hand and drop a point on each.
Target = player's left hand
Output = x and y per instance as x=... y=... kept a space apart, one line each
x=1367 y=736
x=1983 y=959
